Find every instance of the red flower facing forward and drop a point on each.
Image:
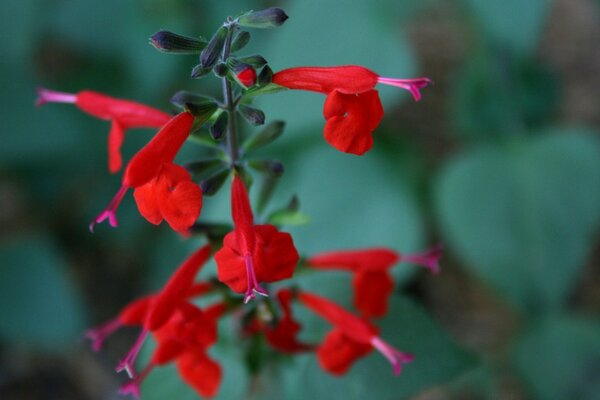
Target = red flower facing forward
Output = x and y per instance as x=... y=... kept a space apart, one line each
x=183 y=331
x=163 y=190
x=350 y=339
x=352 y=108
x=123 y=114
x=373 y=283
x=253 y=253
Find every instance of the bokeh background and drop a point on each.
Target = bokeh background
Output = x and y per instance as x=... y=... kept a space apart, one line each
x=500 y=161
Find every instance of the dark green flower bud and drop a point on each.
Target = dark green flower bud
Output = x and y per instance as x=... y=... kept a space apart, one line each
x=253 y=115
x=269 y=18
x=265 y=76
x=256 y=61
x=201 y=167
x=271 y=167
x=182 y=97
x=170 y=42
x=240 y=41
x=218 y=129
x=211 y=185
x=221 y=70
x=198 y=71
x=210 y=54
x=202 y=111
x=264 y=137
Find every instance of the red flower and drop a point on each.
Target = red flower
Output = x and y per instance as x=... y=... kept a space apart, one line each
x=163 y=190
x=283 y=336
x=350 y=339
x=352 y=109
x=373 y=283
x=247 y=76
x=253 y=253
x=123 y=114
x=183 y=331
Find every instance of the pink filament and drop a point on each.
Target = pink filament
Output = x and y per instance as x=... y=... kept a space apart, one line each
x=110 y=211
x=98 y=335
x=412 y=85
x=394 y=356
x=429 y=259
x=253 y=285
x=51 y=96
x=128 y=363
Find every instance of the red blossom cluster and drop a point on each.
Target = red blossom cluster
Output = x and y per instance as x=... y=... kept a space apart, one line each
x=251 y=255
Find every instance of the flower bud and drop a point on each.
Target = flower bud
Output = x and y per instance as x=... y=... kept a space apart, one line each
x=269 y=18
x=217 y=130
x=240 y=41
x=170 y=42
x=254 y=116
x=257 y=61
x=221 y=70
x=247 y=76
x=212 y=51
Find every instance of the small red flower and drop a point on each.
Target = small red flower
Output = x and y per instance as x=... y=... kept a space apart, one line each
x=283 y=336
x=253 y=253
x=350 y=339
x=163 y=190
x=352 y=109
x=373 y=283
x=247 y=76
x=123 y=114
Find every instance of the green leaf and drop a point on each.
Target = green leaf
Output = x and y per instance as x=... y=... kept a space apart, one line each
x=288 y=218
x=269 y=88
x=523 y=217
x=267 y=135
x=559 y=359
x=512 y=22
x=38 y=302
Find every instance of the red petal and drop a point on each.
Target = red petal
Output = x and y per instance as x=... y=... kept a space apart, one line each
x=130 y=113
x=351 y=325
x=349 y=79
x=181 y=207
x=116 y=136
x=231 y=268
x=337 y=353
x=241 y=213
x=351 y=120
x=371 y=293
x=276 y=257
x=135 y=312
x=146 y=198
x=147 y=163
x=176 y=288
x=356 y=260
x=200 y=372
x=167 y=351
x=283 y=337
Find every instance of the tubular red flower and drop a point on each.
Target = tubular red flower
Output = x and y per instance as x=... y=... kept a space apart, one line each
x=351 y=338
x=372 y=281
x=123 y=114
x=253 y=253
x=352 y=109
x=163 y=190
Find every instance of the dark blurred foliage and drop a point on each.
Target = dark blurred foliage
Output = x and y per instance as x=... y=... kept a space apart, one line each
x=500 y=161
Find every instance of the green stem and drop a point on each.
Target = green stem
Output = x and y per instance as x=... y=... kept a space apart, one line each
x=230 y=106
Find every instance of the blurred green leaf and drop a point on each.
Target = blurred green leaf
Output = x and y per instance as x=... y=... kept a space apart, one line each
x=559 y=359
x=522 y=217
x=38 y=302
x=515 y=23
x=288 y=218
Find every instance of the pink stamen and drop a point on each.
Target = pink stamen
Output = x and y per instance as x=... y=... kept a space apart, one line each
x=134 y=387
x=51 y=96
x=98 y=335
x=429 y=258
x=394 y=356
x=412 y=85
x=128 y=363
x=253 y=286
x=110 y=211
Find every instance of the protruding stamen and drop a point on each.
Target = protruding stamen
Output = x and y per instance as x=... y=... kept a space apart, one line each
x=429 y=258
x=110 y=211
x=253 y=285
x=394 y=356
x=128 y=363
x=51 y=96
x=98 y=335
x=412 y=85
x=134 y=387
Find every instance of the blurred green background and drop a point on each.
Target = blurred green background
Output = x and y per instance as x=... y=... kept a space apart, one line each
x=500 y=161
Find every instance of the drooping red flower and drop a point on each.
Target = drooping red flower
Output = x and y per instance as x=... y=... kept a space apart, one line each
x=352 y=109
x=163 y=190
x=183 y=331
x=253 y=253
x=373 y=283
x=283 y=335
x=350 y=339
x=123 y=114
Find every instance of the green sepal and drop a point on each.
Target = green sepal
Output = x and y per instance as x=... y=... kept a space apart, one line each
x=202 y=137
x=169 y=42
x=254 y=116
x=265 y=76
x=289 y=215
x=181 y=98
x=267 y=135
x=265 y=89
x=213 y=184
x=272 y=167
x=221 y=70
x=199 y=72
x=201 y=168
x=210 y=55
x=244 y=175
x=240 y=41
x=218 y=129
x=256 y=60
x=201 y=111
x=271 y=17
